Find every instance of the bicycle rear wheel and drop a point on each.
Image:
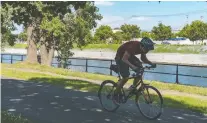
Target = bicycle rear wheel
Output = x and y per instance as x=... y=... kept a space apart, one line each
x=105 y=94
x=149 y=102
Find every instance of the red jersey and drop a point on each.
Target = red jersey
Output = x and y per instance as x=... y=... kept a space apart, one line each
x=133 y=47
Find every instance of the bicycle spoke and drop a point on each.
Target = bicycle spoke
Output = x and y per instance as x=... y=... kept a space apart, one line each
x=150 y=96
x=106 y=96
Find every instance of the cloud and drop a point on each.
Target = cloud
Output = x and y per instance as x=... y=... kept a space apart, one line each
x=117 y=21
x=113 y=21
x=104 y=3
x=141 y=18
x=110 y=19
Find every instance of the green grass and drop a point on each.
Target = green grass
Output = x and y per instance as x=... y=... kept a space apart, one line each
x=169 y=100
x=66 y=72
x=18 y=46
x=195 y=49
x=113 y=47
x=7 y=117
x=185 y=102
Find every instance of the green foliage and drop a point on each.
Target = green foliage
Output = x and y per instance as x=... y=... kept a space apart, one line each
x=54 y=26
x=197 y=30
x=118 y=37
x=146 y=34
x=7 y=117
x=153 y=36
x=130 y=31
x=184 y=32
x=23 y=36
x=174 y=35
x=7 y=26
x=161 y=32
x=103 y=33
x=48 y=25
x=77 y=29
x=8 y=38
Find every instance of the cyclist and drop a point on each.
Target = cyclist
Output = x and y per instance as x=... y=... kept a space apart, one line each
x=125 y=58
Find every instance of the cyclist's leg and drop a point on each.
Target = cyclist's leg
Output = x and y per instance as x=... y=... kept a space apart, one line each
x=124 y=72
x=135 y=61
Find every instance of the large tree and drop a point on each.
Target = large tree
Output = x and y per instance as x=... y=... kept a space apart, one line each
x=130 y=31
x=33 y=15
x=197 y=30
x=161 y=32
x=117 y=37
x=61 y=34
x=184 y=32
x=103 y=33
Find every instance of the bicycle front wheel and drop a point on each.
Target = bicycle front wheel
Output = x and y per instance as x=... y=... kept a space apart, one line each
x=149 y=102
x=106 y=95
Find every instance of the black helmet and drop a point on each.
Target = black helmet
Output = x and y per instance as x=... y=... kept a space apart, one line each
x=147 y=43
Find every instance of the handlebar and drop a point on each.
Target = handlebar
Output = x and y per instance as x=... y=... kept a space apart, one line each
x=143 y=68
x=148 y=67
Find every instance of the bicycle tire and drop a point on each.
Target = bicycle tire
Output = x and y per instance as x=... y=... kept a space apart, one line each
x=160 y=98
x=99 y=95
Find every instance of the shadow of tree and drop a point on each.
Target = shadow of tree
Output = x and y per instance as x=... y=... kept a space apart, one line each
x=69 y=83
x=69 y=101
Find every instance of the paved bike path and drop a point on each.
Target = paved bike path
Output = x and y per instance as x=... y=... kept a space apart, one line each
x=46 y=103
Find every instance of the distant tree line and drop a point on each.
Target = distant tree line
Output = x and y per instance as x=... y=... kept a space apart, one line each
x=197 y=30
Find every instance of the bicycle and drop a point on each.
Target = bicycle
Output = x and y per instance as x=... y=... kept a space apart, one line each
x=139 y=92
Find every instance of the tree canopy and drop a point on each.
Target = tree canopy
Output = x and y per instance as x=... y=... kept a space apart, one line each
x=162 y=32
x=54 y=25
x=103 y=33
x=130 y=31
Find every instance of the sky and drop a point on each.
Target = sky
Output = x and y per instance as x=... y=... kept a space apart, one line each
x=116 y=13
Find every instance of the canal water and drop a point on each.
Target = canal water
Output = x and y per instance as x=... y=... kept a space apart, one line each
x=79 y=65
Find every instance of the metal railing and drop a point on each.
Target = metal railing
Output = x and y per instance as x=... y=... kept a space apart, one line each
x=86 y=65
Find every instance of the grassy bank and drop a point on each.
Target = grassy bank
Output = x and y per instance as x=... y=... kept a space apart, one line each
x=176 y=101
x=18 y=46
x=66 y=72
x=7 y=117
x=195 y=49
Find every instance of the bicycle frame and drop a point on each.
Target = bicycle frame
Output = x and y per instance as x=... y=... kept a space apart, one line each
x=140 y=82
x=130 y=94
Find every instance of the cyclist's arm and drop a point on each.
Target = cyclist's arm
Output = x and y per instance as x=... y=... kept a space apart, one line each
x=145 y=60
x=125 y=59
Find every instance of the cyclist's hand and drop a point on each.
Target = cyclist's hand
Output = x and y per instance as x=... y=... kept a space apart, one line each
x=136 y=69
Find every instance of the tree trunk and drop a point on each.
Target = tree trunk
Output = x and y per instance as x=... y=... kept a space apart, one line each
x=46 y=55
x=50 y=56
x=43 y=54
x=32 y=48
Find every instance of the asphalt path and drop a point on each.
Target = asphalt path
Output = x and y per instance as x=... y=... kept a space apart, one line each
x=46 y=103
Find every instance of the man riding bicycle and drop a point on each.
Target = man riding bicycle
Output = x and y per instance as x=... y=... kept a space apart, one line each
x=125 y=58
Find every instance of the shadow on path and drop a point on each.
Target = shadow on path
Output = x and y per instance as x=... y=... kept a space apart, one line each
x=45 y=103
